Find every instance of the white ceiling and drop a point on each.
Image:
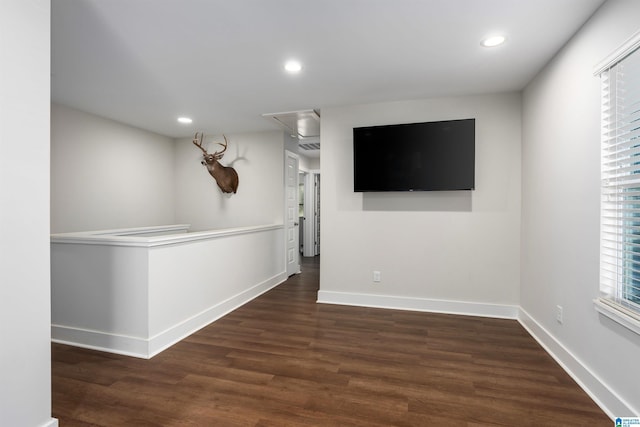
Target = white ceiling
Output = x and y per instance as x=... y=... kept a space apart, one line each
x=146 y=62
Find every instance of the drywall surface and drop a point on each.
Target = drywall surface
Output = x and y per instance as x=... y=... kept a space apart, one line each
x=257 y=158
x=560 y=214
x=106 y=174
x=430 y=247
x=25 y=354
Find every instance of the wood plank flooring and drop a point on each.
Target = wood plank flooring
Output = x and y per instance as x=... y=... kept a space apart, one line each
x=283 y=360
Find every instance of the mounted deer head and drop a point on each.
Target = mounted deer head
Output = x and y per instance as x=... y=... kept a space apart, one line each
x=226 y=177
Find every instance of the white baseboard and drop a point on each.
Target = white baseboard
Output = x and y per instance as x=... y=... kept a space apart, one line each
x=169 y=337
x=98 y=340
x=602 y=395
x=501 y=311
x=146 y=348
x=53 y=422
x=612 y=404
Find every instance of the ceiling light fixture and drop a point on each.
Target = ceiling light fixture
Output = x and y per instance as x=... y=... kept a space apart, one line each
x=185 y=120
x=493 y=41
x=293 y=66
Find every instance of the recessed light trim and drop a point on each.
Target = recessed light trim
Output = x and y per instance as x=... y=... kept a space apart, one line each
x=493 y=41
x=293 y=66
x=185 y=120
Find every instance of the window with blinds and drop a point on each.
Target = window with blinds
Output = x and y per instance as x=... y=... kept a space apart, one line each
x=620 y=201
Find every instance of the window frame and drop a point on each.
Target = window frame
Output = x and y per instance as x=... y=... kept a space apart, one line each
x=626 y=313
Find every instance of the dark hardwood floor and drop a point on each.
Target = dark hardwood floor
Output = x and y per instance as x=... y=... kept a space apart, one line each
x=283 y=360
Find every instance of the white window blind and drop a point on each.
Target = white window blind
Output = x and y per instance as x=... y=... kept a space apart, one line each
x=620 y=202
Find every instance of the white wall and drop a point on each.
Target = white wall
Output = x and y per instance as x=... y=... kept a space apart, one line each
x=25 y=353
x=119 y=293
x=308 y=164
x=105 y=174
x=560 y=220
x=429 y=246
x=258 y=159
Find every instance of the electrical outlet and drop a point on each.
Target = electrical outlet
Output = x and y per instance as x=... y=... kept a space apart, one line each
x=376 y=276
x=559 y=313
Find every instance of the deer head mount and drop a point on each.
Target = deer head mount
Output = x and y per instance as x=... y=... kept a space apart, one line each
x=226 y=177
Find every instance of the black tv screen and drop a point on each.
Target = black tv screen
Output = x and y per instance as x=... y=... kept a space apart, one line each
x=431 y=156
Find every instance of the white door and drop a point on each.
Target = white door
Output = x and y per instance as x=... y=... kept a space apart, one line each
x=311 y=224
x=291 y=213
x=316 y=213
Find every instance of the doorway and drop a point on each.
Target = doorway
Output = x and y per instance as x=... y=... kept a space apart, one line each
x=292 y=225
x=309 y=213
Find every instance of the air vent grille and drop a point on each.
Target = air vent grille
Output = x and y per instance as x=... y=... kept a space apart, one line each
x=300 y=124
x=310 y=146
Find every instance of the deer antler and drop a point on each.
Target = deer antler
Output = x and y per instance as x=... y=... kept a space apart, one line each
x=199 y=143
x=226 y=177
x=218 y=154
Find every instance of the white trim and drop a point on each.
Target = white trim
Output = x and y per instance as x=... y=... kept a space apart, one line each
x=140 y=231
x=501 y=311
x=101 y=341
x=631 y=44
x=53 y=422
x=136 y=236
x=612 y=274
x=617 y=314
x=147 y=348
x=611 y=403
x=178 y=332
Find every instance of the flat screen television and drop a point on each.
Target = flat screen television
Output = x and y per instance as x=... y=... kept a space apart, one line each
x=431 y=156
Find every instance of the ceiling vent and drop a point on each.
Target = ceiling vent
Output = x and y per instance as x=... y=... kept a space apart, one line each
x=303 y=125
x=312 y=146
x=299 y=124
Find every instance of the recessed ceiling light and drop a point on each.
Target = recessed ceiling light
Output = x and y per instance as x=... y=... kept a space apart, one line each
x=293 y=66
x=185 y=120
x=493 y=41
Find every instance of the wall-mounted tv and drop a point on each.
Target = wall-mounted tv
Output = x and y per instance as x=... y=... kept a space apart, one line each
x=431 y=156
